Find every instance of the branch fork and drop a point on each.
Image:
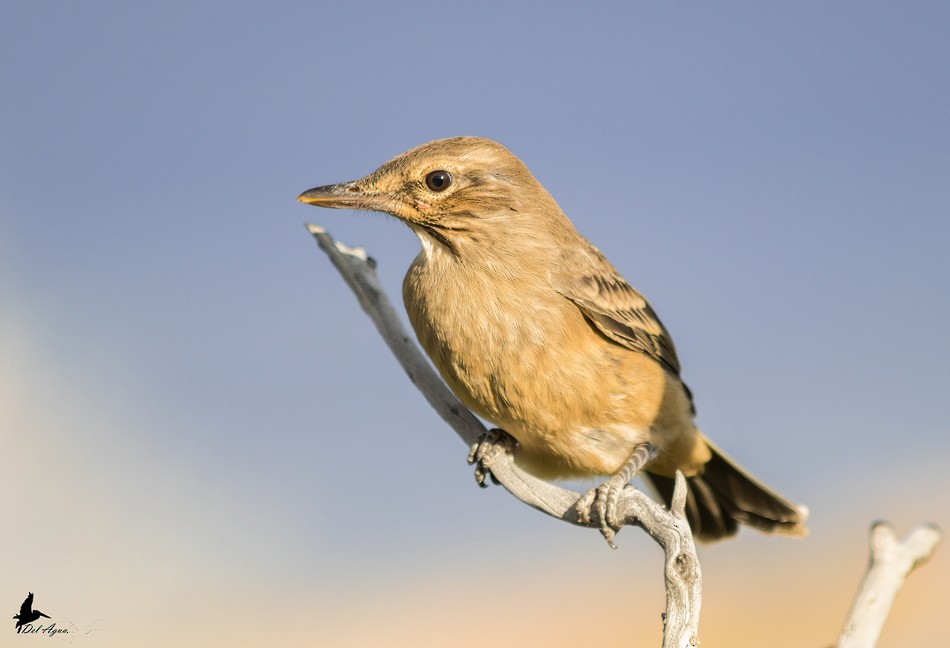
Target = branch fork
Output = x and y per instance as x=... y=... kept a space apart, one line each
x=891 y=560
x=669 y=529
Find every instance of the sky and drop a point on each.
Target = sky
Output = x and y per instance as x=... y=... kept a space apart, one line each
x=202 y=438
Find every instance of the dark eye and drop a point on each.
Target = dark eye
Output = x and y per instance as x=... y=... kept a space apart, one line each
x=438 y=180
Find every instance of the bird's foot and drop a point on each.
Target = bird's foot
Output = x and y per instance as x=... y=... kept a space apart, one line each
x=602 y=501
x=492 y=445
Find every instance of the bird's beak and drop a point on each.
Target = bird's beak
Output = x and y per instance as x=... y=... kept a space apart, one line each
x=346 y=195
x=43 y=615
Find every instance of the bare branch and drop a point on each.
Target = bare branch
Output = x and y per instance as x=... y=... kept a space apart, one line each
x=891 y=562
x=669 y=529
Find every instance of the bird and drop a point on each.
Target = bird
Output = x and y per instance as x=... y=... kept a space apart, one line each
x=27 y=613
x=534 y=330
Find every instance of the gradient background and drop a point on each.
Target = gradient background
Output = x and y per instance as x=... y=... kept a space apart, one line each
x=204 y=442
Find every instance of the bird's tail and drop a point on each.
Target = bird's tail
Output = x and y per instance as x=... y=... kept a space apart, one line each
x=723 y=496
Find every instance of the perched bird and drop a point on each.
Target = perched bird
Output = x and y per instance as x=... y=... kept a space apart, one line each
x=27 y=613
x=534 y=330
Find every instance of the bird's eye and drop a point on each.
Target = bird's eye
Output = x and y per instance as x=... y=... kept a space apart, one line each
x=438 y=180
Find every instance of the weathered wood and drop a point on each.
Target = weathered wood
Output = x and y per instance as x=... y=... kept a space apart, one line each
x=891 y=562
x=669 y=529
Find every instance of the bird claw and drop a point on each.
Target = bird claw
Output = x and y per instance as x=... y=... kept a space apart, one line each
x=489 y=447
x=602 y=502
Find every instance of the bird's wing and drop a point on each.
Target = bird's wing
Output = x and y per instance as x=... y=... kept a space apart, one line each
x=27 y=606
x=617 y=310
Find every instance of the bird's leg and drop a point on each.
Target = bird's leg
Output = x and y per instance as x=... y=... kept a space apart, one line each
x=603 y=499
x=493 y=444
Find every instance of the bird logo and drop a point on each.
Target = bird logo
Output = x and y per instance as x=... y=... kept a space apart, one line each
x=27 y=613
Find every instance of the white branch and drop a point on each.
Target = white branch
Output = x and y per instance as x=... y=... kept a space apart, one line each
x=668 y=528
x=891 y=562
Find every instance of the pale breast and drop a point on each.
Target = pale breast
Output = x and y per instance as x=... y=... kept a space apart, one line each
x=520 y=355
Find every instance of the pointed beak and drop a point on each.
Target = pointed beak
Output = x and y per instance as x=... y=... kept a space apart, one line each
x=345 y=195
x=43 y=615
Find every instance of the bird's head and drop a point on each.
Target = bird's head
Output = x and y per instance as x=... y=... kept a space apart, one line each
x=452 y=192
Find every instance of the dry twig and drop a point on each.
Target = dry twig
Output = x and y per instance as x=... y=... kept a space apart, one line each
x=891 y=562
x=668 y=528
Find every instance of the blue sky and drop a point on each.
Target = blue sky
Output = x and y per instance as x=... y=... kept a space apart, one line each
x=193 y=402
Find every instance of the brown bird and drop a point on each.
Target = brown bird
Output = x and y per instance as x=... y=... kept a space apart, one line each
x=534 y=330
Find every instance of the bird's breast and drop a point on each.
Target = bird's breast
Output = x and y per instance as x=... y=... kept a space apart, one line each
x=485 y=335
x=522 y=356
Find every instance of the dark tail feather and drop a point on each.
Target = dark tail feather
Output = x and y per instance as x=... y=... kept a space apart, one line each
x=724 y=496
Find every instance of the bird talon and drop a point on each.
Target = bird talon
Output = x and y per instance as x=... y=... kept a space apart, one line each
x=492 y=445
x=602 y=502
x=473 y=451
x=584 y=505
x=610 y=513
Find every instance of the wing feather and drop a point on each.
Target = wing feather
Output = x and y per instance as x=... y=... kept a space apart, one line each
x=616 y=309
